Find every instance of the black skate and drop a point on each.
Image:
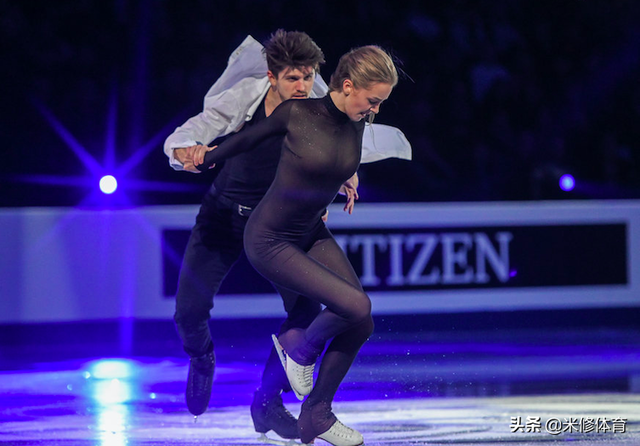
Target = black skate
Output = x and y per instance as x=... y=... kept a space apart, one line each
x=269 y=414
x=318 y=421
x=199 y=383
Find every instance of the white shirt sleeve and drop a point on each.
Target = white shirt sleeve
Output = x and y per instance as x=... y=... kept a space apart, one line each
x=235 y=96
x=224 y=113
x=381 y=141
x=230 y=101
x=201 y=128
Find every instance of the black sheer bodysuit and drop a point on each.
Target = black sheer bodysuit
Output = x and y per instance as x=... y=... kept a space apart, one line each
x=286 y=240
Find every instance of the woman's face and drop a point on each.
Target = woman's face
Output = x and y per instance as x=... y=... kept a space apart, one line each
x=360 y=102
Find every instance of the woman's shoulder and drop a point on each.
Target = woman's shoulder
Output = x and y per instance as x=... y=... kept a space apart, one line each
x=300 y=107
x=304 y=102
x=307 y=105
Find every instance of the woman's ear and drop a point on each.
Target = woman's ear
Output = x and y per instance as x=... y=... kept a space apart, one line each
x=347 y=87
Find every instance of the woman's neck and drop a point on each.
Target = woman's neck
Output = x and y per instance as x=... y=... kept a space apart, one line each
x=338 y=99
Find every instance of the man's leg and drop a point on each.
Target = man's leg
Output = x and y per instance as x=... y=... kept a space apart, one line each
x=214 y=246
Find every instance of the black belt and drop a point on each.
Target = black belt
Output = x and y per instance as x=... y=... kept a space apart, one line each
x=241 y=209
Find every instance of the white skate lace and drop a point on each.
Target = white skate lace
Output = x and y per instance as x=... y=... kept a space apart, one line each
x=302 y=375
x=305 y=374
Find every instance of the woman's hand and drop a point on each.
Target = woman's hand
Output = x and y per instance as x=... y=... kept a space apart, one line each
x=199 y=151
x=186 y=156
x=350 y=190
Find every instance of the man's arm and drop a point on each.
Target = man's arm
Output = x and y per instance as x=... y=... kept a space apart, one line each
x=247 y=139
x=224 y=113
x=201 y=129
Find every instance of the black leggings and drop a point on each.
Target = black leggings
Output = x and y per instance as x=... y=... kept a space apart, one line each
x=316 y=267
x=214 y=246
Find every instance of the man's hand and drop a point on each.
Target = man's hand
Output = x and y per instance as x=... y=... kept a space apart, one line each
x=350 y=190
x=198 y=154
x=192 y=156
x=185 y=156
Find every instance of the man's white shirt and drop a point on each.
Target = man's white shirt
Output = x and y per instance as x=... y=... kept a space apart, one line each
x=236 y=95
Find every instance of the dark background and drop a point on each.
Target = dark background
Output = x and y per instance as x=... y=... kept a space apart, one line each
x=500 y=97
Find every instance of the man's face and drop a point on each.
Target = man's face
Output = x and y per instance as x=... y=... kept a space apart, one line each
x=293 y=82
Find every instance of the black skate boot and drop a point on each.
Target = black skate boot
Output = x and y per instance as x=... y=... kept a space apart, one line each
x=199 y=383
x=318 y=421
x=268 y=413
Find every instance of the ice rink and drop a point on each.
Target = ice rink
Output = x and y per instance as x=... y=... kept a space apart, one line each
x=485 y=387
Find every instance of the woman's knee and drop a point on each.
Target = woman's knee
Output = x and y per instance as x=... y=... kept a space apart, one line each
x=360 y=308
x=361 y=332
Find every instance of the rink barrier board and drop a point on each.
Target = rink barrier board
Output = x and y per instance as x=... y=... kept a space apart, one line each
x=66 y=264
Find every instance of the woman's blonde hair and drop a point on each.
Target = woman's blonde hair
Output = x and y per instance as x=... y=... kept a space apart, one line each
x=364 y=66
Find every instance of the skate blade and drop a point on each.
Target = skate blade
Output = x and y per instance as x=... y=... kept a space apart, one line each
x=264 y=439
x=283 y=360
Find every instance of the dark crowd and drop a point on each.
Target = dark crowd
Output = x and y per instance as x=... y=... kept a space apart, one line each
x=499 y=98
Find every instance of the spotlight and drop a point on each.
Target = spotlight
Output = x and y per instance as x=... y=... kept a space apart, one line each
x=108 y=184
x=567 y=182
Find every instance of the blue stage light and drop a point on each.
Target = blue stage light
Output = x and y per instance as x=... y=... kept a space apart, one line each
x=567 y=182
x=108 y=184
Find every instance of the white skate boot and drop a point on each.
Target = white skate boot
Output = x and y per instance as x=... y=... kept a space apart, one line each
x=300 y=376
x=341 y=435
x=319 y=421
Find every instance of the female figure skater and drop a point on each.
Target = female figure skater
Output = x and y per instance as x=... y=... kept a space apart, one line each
x=288 y=243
